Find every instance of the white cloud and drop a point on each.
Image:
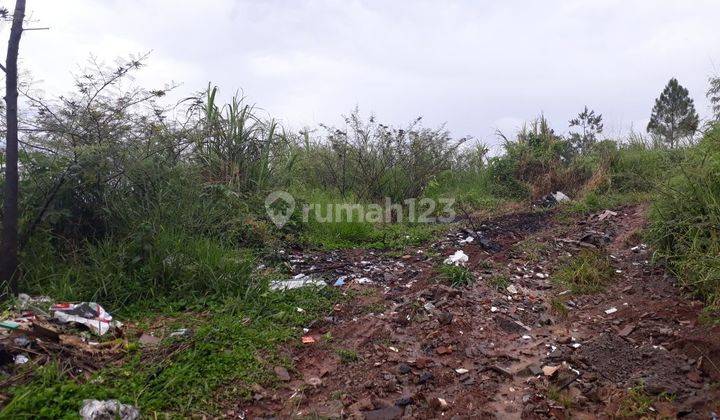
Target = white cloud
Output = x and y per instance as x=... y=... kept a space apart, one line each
x=478 y=66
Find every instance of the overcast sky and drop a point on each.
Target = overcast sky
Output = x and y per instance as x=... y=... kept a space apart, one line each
x=476 y=65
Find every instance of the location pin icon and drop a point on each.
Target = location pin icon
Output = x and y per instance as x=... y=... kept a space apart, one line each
x=279 y=213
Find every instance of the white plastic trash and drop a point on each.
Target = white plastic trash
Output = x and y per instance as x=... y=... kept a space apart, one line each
x=458 y=258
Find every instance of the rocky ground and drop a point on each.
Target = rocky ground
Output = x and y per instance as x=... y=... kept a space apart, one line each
x=513 y=343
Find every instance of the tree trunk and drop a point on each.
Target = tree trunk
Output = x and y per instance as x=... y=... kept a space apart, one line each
x=9 y=245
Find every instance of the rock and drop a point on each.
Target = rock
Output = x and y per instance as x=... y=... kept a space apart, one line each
x=387 y=413
x=314 y=381
x=437 y=403
x=531 y=370
x=148 y=340
x=443 y=350
x=425 y=377
x=361 y=405
x=445 y=318
x=550 y=370
x=627 y=330
x=108 y=409
x=282 y=373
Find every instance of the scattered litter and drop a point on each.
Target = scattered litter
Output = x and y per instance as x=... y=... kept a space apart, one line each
x=429 y=306
x=493 y=309
x=638 y=248
x=21 y=341
x=21 y=359
x=458 y=258
x=606 y=214
x=512 y=289
x=300 y=310
x=340 y=281
x=550 y=370
x=611 y=310
x=308 y=339
x=298 y=281
x=575 y=345
x=109 y=409
x=526 y=337
x=553 y=199
x=462 y=371
x=179 y=332
x=90 y=314
x=541 y=275
x=363 y=280
x=467 y=240
x=394 y=349
x=560 y=196
x=10 y=325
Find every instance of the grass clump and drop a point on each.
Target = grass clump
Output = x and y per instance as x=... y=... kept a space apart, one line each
x=499 y=282
x=347 y=356
x=635 y=403
x=558 y=306
x=588 y=272
x=456 y=275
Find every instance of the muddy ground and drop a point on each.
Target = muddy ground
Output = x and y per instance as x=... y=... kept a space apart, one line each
x=406 y=345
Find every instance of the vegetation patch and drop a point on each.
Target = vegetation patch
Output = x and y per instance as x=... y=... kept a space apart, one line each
x=219 y=356
x=456 y=275
x=588 y=272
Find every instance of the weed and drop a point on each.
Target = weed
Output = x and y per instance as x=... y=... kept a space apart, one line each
x=456 y=275
x=532 y=249
x=347 y=356
x=560 y=397
x=499 y=282
x=588 y=272
x=557 y=305
x=636 y=403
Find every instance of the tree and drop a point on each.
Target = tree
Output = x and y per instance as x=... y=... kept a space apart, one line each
x=591 y=125
x=9 y=243
x=713 y=95
x=673 y=116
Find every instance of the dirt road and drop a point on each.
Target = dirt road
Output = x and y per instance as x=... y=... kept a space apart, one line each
x=406 y=345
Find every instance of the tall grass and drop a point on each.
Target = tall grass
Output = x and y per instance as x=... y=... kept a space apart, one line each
x=685 y=219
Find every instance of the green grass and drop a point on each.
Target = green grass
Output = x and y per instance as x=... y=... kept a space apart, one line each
x=684 y=220
x=561 y=397
x=532 y=249
x=499 y=282
x=221 y=362
x=347 y=356
x=638 y=403
x=557 y=305
x=588 y=272
x=456 y=276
